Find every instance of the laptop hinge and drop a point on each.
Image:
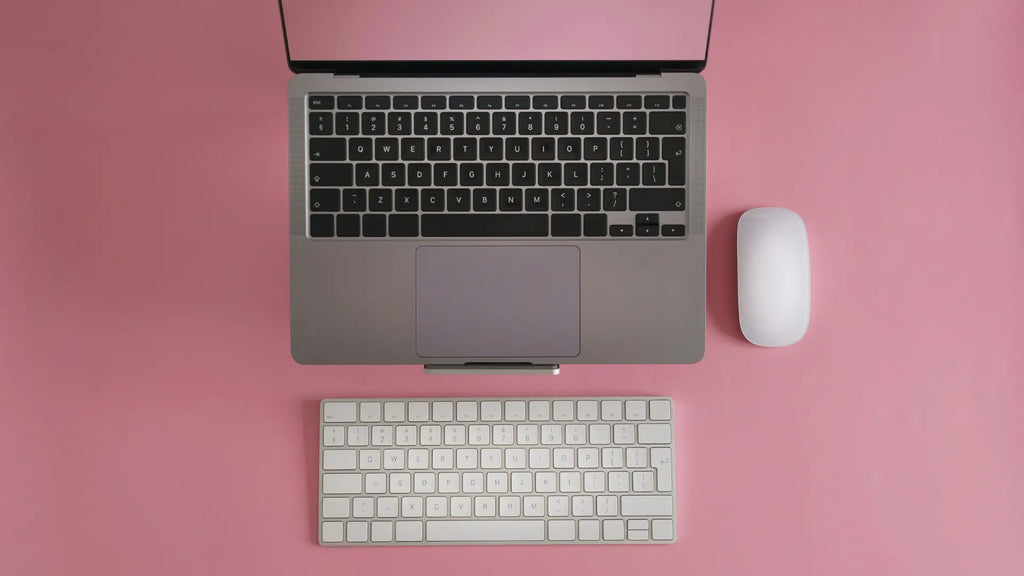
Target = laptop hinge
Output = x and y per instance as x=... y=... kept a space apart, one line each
x=491 y=369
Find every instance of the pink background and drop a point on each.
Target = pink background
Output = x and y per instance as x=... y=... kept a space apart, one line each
x=497 y=29
x=153 y=422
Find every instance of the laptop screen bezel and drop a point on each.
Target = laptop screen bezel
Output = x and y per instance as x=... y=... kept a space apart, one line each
x=492 y=67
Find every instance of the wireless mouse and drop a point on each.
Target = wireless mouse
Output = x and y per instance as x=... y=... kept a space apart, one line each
x=774 y=276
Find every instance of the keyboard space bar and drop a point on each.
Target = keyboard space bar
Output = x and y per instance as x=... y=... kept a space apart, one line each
x=483 y=225
x=485 y=530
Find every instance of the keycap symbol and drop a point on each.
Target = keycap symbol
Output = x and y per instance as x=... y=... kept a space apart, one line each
x=679 y=127
x=679 y=204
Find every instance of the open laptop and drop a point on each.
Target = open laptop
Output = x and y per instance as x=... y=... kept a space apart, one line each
x=479 y=185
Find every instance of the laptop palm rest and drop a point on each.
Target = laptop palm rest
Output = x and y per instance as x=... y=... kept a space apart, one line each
x=497 y=301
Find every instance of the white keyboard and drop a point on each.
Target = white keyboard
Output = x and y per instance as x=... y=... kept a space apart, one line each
x=496 y=471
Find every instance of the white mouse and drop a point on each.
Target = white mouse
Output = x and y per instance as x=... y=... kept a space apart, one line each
x=774 y=276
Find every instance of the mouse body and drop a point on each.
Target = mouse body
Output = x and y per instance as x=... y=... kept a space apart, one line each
x=773 y=276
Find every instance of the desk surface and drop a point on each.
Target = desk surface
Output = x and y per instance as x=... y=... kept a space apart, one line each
x=153 y=422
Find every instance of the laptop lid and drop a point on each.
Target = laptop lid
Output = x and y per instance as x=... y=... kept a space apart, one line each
x=451 y=37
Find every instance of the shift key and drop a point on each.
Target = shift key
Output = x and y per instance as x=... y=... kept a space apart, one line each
x=657 y=199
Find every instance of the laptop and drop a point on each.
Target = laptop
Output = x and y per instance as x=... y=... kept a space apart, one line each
x=495 y=186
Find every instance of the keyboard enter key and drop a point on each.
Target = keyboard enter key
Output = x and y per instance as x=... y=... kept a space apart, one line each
x=657 y=199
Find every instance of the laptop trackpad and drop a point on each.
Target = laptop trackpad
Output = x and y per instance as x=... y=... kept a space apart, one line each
x=497 y=301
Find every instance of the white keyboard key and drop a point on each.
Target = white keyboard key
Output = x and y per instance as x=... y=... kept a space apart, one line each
x=484 y=506
x=560 y=530
x=332 y=532
x=387 y=507
x=565 y=458
x=485 y=530
x=637 y=524
x=358 y=531
x=465 y=458
x=362 y=507
x=586 y=410
x=551 y=434
x=381 y=435
x=515 y=458
x=562 y=410
x=660 y=410
x=661 y=529
x=465 y=411
x=419 y=459
x=546 y=482
x=430 y=435
x=614 y=529
x=624 y=434
x=522 y=482
x=339 y=411
x=576 y=434
x=540 y=458
x=515 y=411
x=409 y=531
x=600 y=434
x=343 y=483
x=400 y=483
x=394 y=411
x=533 y=506
x=423 y=483
x=611 y=458
x=661 y=460
x=443 y=411
x=590 y=530
x=437 y=506
x=607 y=505
x=358 y=435
x=369 y=460
x=638 y=534
x=497 y=482
x=643 y=481
x=448 y=482
x=462 y=507
x=540 y=410
x=526 y=434
x=419 y=411
x=646 y=506
x=508 y=506
x=611 y=410
x=582 y=505
x=334 y=435
x=558 y=505
x=412 y=506
x=479 y=435
x=636 y=409
x=588 y=458
x=569 y=481
x=394 y=459
x=406 y=435
x=335 y=508
x=339 y=459
x=380 y=532
x=376 y=484
x=473 y=482
x=593 y=481
x=490 y=411
x=369 y=411
x=503 y=434
x=636 y=457
x=490 y=458
x=618 y=481
x=442 y=458
x=654 y=433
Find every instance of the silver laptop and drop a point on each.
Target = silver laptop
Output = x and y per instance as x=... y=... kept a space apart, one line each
x=497 y=186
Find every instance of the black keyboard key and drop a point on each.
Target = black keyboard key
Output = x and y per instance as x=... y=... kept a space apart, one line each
x=556 y=123
x=545 y=102
x=565 y=225
x=634 y=122
x=549 y=174
x=380 y=200
x=392 y=174
x=403 y=225
x=647 y=230
x=595 y=225
x=670 y=123
x=627 y=174
x=458 y=200
x=581 y=123
x=419 y=174
x=406 y=102
x=485 y=200
x=348 y=225
x=453 y=123
x=645 y=219
x=406 y=200
x=601 y=102
x=471 y=174
x=657 y=199
x=570 y=149
x=324 y=200
x=621 y=148
x=510 y=200
x=484 y=225
x=656 y=102
x=673 y=230
x=375 y=225
x=432 y=199
x=646 y=148
x=491 y=149
x=478 y=123
x=330 y=175
x=653 y=174
x=621 y=230
x=504 y=123
x=321 y=225
x=628 y=102
x=460 y=102
x=413 y=149
x=378 y=102
x=399 y=123
x=543 y=148
x=488 y=102
x=353 y=199
x=562 y=200
x=385 y=149
x=524 y=174
x=321 y=124
x=588 y=199
x=350 y=102
x=601 y=173
x=575 y=174
x=433 y=102
x=346 y=123
x=446 y=175
x=674 y=150
x=573 y=102
x=360 y=149
x=517 y=102
x=439 y=149
x=679 y=101
x=609 y=122
x=321 y=102
x=615 y=200
x=497 y=174
x=425 y=123
x=374 y=123
x=464 y=148
x=367 y=175
x=530 y=123
x=537 y=200
x=517 y=149
x=595 y=148
x=326 y=149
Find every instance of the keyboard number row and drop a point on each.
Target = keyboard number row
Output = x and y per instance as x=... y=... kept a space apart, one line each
x=496 y=434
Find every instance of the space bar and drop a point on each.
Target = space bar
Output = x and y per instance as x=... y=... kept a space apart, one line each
x=476 y=225
x=484 y=530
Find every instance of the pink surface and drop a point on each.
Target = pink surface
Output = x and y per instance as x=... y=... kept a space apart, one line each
x=497 y=30
x=153 y=422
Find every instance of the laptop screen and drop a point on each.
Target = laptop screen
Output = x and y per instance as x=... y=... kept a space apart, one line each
x=509 y=30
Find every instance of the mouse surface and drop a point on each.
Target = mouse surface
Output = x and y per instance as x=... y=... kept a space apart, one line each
x=774 y=276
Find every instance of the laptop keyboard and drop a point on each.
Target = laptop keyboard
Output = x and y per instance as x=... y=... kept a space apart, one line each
x=496 y=166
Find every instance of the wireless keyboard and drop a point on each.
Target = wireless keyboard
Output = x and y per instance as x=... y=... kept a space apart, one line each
x=496 y=471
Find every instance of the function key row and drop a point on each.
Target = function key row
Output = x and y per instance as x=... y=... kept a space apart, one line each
x=495 y=410
x=496 y=102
